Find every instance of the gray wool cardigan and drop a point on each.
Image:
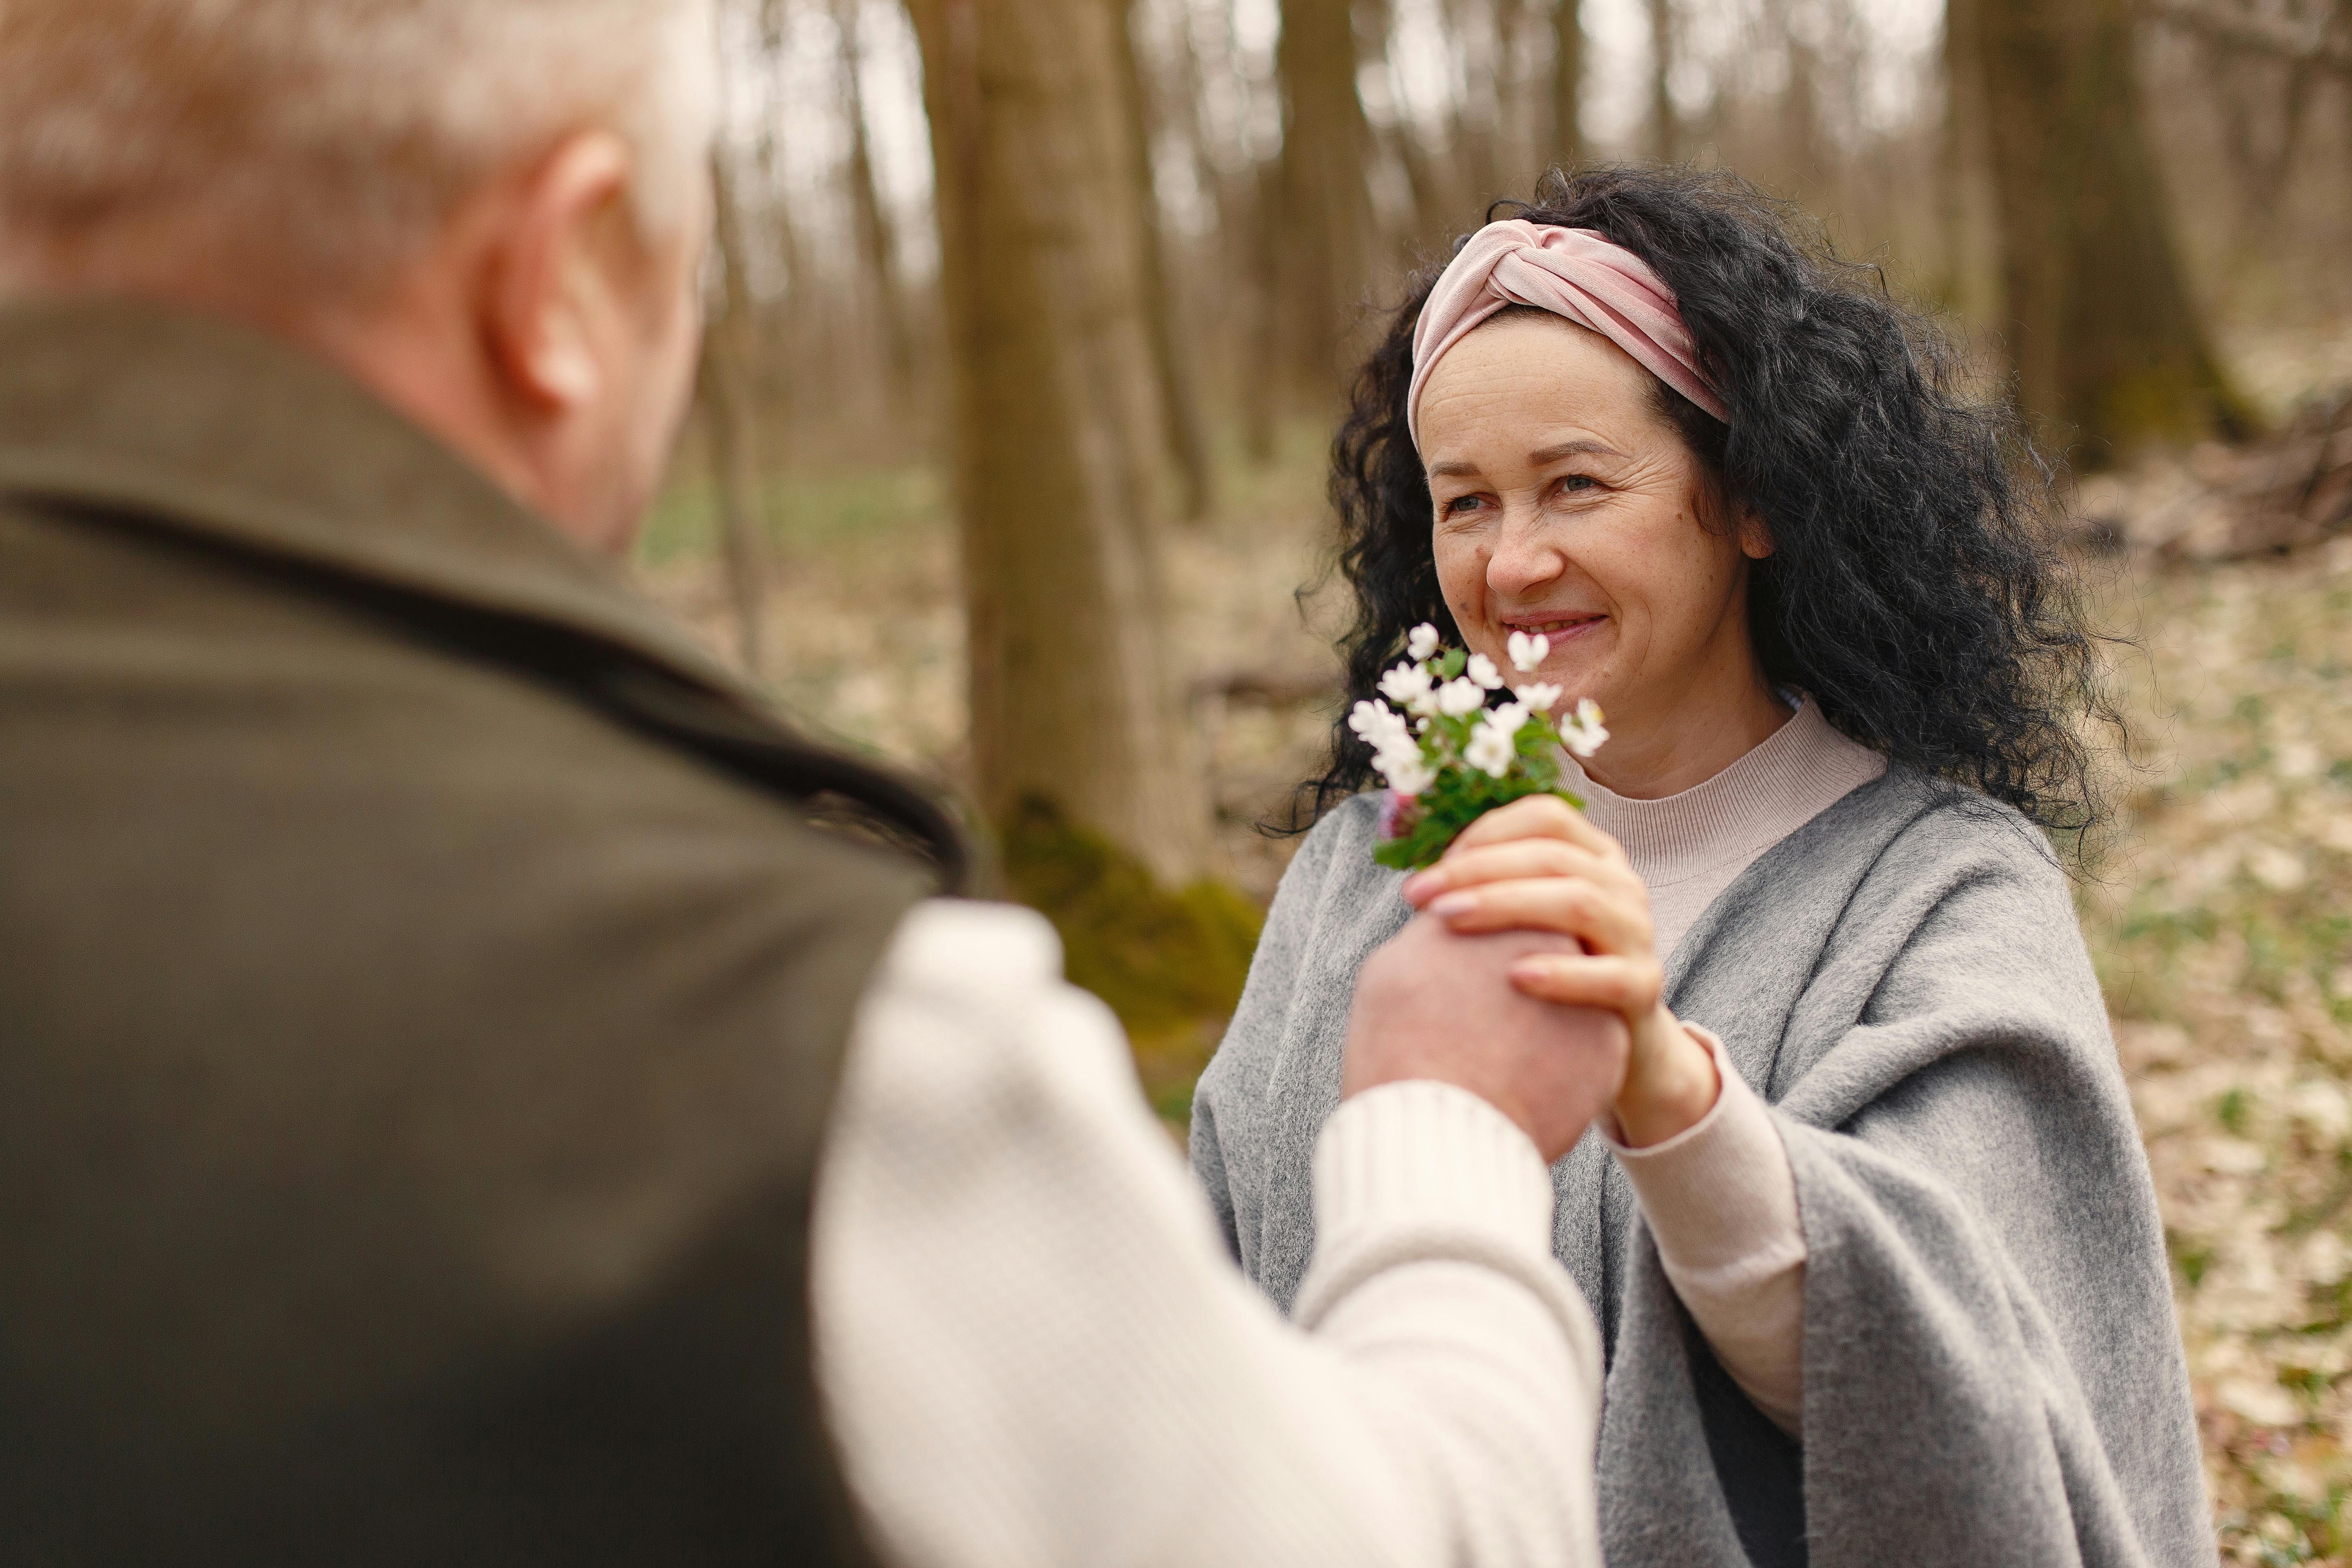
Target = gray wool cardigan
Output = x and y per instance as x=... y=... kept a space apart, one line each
x=1992 y=1374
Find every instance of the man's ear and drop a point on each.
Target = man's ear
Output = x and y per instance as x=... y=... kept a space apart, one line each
x=548 y=284
x=1755 y=538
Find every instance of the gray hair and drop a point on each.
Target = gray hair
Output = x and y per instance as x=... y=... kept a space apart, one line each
x=324 y=140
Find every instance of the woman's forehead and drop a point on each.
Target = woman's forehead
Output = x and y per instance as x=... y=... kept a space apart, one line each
x=1527 y=370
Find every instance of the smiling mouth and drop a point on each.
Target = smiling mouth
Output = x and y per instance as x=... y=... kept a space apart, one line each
x=1564 y=626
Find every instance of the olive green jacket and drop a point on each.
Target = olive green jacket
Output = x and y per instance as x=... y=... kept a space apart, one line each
x=421 y=996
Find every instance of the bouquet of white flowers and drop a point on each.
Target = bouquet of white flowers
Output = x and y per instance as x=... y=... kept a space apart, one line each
x=1448 y=757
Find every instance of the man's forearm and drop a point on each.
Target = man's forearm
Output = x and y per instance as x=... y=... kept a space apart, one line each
x=1434 y=1276
x=1035 y=1352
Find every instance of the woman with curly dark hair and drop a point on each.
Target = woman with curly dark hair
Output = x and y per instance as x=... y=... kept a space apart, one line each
x=1872 y=1144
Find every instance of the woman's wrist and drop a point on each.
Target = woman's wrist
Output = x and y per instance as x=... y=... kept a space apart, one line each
x=1671 y=1082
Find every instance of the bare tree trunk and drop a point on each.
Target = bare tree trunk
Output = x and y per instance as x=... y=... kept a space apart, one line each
x=1185 y=99
x=1325 y=216
x=727 y=401
x=1262 y=358
x=2263 y=102
x=877 y=249
x=1058 y=434
x=1171 y=351
x=1665 y=137
x=1475 y=165
x=1511 y=144
x=1184 y=110
x=2306 y=40
x=2108 y=345
x=1971 y=211
x=781 y=336
x=1566 y=83
x=1392 y=139
x=1808 y=153
x=1437 y=208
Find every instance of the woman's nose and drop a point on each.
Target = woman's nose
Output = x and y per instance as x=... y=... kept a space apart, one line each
x=1525 y=559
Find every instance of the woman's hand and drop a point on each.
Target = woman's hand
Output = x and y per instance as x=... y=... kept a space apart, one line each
x=1538 y=865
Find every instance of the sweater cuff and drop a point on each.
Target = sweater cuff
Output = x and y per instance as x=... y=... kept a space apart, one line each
x=1719 y=1195
x=1425 y=1152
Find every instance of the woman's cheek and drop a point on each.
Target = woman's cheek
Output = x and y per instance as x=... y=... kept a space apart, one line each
x=1461 y=578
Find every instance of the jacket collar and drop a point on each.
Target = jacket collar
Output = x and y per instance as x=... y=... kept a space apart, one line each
x=207 y=428
x=200 y=428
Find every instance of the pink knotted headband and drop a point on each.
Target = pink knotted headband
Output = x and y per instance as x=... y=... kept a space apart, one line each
x=1571 y=272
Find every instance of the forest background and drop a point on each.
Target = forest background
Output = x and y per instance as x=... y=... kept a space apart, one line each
x=1029 y=321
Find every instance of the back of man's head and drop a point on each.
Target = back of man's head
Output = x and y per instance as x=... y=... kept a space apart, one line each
x=489 y=212
x=305 y=149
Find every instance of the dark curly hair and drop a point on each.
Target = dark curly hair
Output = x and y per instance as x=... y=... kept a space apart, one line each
x=1915 y=590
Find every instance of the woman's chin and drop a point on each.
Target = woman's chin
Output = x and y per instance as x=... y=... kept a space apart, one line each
x=1576 y=680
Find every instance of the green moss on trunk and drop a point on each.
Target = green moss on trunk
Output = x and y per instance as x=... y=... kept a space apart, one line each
x=1169 y=964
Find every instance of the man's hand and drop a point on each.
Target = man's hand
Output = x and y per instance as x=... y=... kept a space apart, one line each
x=1433 y=1004
x=1538 y=865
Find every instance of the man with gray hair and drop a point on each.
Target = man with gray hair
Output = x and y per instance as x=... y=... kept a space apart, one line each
x=476 y=1087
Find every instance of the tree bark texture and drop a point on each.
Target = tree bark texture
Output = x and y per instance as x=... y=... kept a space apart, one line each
x=1325 y=217
x=2108 y=346
x=1566 y=83
x=1058 y=432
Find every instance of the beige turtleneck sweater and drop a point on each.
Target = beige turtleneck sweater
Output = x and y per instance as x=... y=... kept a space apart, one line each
x=1719 y=1197
x=1688 y=847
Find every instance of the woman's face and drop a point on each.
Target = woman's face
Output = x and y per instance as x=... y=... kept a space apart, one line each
x=1565 y=504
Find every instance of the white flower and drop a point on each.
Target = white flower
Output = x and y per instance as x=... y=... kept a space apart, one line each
x=1421 y=642
x=1411 y=685
x=1482 y=670
x=1407 y=771
x=1381 y=726
x=1396 y=755
x=1582 y=733
x=1410 y=774
x=1490 y=751
x=1540 y=696
x=1459 y=696
x=1528 y=652
x=1496 y=742
x=1510 y=717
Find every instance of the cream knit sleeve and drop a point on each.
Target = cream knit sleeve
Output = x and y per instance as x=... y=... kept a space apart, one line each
x=1034 y=1351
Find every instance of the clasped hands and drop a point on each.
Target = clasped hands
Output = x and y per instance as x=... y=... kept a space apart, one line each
x=1531 y=978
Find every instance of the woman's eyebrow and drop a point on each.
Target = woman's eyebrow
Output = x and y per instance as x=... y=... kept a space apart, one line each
x=1573 y=449
x=1544 y=454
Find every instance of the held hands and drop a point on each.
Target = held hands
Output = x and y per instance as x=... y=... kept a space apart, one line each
x=1434 y=1005
x=1538 y=865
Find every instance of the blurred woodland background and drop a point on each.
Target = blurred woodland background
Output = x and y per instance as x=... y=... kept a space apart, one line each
x=1028 y=326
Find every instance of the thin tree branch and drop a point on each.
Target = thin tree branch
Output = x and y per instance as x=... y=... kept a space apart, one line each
x=2307 y=44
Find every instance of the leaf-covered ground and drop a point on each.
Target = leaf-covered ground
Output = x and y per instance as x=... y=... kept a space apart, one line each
x=2221 y=923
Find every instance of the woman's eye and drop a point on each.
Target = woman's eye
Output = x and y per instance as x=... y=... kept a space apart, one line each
x=1461 y=504
x=1574 y=482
